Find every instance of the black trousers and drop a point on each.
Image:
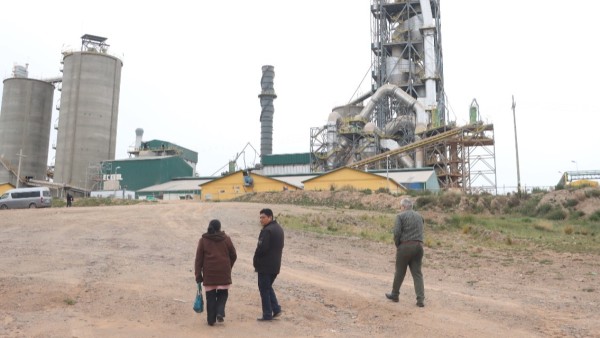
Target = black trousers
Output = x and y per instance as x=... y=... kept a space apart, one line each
x=215 y=304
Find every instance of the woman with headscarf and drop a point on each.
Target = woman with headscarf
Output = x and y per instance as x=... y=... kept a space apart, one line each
x=215 y=257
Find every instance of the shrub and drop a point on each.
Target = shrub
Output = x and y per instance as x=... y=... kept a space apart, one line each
x=570 y=203
x=543 y=209
x=592 y=193
x=576 y=214
x=423 y=201
x=595 y=217
x=556 y=214
x=568 y=229
x=448 y=201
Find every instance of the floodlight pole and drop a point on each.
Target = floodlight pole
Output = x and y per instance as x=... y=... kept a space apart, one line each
x=20 y=154
x=514 y=104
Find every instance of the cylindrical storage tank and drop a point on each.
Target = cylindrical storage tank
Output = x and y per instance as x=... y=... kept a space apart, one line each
x=25 y=123
x=89 y=108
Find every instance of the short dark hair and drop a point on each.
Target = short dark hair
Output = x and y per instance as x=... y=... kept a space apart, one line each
x=214 y=226
x=266 y=211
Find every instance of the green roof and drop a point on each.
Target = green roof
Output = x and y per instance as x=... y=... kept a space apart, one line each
x=286 y=159
x=187 y=154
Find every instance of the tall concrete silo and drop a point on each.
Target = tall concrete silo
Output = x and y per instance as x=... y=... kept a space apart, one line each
x=89 y=107
x=25 y=121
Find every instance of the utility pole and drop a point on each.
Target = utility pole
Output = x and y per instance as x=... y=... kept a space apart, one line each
x=514 y=104
x=20 y=154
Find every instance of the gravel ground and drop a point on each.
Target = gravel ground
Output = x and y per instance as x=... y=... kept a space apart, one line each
x=125 y=271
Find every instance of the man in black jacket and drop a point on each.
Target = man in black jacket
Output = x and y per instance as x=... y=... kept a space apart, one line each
x=267 y=263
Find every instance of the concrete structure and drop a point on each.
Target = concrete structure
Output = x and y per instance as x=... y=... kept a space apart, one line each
x=240 y=183
x=267 y=95
x=345 y=177
x=89 y=108
x=25 y=122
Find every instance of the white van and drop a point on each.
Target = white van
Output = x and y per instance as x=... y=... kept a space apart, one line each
x=26 y=198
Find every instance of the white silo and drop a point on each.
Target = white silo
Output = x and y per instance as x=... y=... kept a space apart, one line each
x=89 y=107
x=25 y=122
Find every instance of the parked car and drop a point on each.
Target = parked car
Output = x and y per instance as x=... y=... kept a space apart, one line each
x=26 y=198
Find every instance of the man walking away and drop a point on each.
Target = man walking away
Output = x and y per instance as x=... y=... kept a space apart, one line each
x=267 y=263
x=408 y=238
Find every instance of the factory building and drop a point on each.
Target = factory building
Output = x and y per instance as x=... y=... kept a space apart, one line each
x=284 y=164
x=348 y=178
x=151 y=163
x=240 y=183
x=176 y=189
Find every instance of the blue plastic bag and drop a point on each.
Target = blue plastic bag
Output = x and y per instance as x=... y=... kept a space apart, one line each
x=199 y=302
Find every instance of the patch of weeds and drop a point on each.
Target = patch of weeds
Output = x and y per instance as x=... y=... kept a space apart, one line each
x=571 y=202
x=568 y=230
x=595 y=217
x=543 y=226
x=592 y=193
x=576 y=214
x=70 y=301
x=543 y=209
x=424 y=201
x=545 y=262
x=448 y=201
x=556 y=214
x=588 y=290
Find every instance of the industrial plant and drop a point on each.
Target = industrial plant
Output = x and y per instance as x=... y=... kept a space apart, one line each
x=398 y=130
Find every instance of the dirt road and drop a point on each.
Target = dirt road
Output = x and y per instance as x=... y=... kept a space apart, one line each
x=125 y=271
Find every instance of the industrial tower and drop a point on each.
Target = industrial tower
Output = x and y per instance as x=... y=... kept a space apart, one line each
x=403 y=124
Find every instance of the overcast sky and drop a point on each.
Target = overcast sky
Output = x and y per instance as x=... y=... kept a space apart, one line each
x=192 y=70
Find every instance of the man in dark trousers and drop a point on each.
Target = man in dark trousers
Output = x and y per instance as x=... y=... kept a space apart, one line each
x=408 y=238
x=267 y=263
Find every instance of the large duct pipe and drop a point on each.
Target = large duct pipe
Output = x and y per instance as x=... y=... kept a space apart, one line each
x=267 y=95
x=430 y=62
x=422 y=118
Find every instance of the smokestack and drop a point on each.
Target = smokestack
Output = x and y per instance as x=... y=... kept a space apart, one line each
x=138 y=138
x=267 y=95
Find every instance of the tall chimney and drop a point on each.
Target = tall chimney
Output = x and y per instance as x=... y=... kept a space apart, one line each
x=139 y=132
x=267 y=95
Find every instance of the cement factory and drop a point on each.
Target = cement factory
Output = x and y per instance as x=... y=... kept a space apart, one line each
x=398 y=131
